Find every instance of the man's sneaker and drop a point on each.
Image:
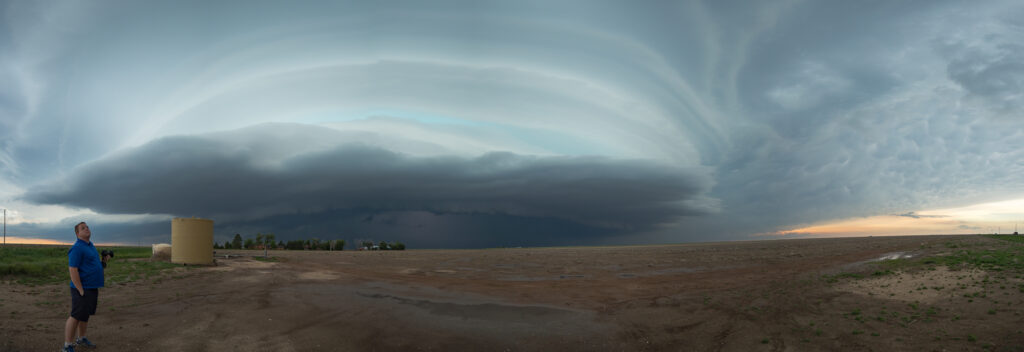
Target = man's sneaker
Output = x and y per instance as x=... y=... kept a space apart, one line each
x=68 y=348
x=84 y=342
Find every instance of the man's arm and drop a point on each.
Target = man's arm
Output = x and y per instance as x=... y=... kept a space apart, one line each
x=77 y=280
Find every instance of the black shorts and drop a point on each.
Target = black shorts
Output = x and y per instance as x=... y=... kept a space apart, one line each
x=83 y=306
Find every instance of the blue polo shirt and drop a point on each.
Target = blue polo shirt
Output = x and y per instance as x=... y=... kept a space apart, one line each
x=83 y=256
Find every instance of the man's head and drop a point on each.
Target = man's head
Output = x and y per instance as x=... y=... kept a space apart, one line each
x=82 y=231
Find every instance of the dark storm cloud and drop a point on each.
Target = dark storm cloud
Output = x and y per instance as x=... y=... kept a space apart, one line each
x=217 y=176
x=419 y=229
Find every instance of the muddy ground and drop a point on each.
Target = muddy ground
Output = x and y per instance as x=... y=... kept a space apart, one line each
x=782 y=295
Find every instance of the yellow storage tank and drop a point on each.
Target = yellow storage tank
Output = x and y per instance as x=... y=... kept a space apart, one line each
x=191 y=241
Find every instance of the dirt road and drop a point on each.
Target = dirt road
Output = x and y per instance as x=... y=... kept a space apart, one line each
x=737 y=296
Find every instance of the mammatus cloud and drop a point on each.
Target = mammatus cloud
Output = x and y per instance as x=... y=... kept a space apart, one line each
x=991 y=71
x=265 y=171
x=870 y=111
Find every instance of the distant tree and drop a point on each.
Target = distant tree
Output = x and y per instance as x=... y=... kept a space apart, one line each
x=280 y=244
x=265 y=242
x=366 y=244
x=383 y=245
x=295 y=245
x=249 y=243
x=236 y=243
x=399 y=246
x=339 y=245
x=259 y=240
x=216 y=245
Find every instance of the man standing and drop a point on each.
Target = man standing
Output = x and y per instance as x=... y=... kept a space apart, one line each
x=86 y=270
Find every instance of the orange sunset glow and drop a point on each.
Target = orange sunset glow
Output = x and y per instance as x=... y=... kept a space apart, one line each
x=1001 y=217
x=28 y=240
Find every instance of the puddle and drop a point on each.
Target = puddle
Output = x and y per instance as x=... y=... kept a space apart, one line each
x=894 y=256
x=484 y=311
x=521 y=278
x=887 y=256
x=542 y=278
x=676 y=271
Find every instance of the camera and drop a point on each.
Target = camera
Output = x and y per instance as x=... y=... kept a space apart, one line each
x=103 y=254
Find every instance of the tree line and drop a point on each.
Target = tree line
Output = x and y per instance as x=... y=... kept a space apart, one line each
x=269 y=241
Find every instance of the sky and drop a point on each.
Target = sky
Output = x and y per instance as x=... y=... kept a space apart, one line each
x=468 y=124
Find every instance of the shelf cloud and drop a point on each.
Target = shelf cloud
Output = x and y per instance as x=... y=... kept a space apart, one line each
x=235 y=176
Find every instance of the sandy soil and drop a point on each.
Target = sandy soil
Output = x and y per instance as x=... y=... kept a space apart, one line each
x=735 y=296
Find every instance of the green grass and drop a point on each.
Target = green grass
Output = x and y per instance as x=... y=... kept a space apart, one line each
x=122 y=271
x=40 y=265
x=1011 y=238
x=835 y=278
x=1005 y=257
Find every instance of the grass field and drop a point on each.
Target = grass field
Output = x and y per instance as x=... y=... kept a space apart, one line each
x=40 y=265
x=1006 y=257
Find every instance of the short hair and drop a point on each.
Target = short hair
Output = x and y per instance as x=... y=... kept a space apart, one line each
x=76 y=227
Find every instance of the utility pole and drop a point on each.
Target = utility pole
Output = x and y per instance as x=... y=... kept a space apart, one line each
x=5 y=227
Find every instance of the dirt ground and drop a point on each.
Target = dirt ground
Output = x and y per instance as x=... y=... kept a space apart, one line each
x=732 y=296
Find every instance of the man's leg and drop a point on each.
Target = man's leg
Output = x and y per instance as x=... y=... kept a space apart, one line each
x=88 y=309
x=81 y=328
x=69 y=330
